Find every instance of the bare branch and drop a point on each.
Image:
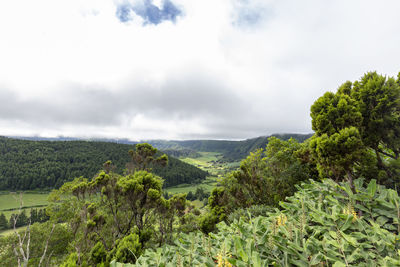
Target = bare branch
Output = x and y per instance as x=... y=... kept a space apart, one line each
x=23 y=253
x=46 y=246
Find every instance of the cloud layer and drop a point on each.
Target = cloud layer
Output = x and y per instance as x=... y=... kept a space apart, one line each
x=183 y=69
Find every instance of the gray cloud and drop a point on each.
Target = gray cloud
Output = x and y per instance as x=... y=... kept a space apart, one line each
x=256 y=66
x=190 y=97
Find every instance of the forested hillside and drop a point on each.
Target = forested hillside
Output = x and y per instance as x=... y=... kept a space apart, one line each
x=28 y=165
x=231 y=150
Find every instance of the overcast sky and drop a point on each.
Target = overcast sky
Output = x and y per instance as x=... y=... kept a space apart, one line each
x=183 y=69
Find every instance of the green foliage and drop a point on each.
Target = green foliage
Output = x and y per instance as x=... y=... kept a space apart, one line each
x=231 y=150
x=29 y=165
x=357 y=130
x=324 y=223
x=337 y=153
x=143 y=158
x=265 y=177
x=3 y=222
x=127 y=249
x=18 y=219
x=98 y=254
x=378 y=99
x=334 y=112
x=115 y=217
x=71 y=261
x=249 y=213
x=39 y=234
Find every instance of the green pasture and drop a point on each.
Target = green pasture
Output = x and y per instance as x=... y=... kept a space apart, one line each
x=11 y=231
x=10 y=202
x=208 y=161
x=198 y=204
x=212 y=162
x=205 y=161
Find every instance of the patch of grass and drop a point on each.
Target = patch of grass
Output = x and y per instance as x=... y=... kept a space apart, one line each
x=10 y=201
x=208 y=161
x=213 y=163
x=198 y=204
x=11 y=231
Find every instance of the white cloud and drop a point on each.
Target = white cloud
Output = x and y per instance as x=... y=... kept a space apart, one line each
x=264 y=63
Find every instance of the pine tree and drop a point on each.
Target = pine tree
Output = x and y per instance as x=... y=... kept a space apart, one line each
x=3 y=222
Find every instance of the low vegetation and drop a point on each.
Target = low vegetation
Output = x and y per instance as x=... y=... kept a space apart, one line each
x=323 y=224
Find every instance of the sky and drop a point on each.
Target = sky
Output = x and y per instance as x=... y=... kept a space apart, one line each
x=183 y=69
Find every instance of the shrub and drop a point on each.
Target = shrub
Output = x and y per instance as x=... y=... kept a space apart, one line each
x=323 y=223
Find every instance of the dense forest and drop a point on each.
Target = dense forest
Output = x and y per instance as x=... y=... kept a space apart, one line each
x=332 y=200
x=231 y=150
x=27 y=165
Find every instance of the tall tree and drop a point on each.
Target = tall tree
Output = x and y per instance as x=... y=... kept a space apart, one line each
x=378 y=99
x=360 y=117
x=143 y=158
x=3 y=222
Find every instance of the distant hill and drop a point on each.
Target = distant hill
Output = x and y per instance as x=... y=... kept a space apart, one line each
x=231 y=150
x=27 y=164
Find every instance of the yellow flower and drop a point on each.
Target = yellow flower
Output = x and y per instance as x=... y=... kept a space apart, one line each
x=350 y=211
x=354 y=215
x=281 y=220
x=221 y=262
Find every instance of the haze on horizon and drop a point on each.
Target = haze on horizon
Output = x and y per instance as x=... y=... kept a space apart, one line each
x=183 y=69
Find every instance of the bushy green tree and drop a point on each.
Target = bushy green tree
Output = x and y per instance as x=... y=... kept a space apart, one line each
x=143 y=158
x=98 y=254
x=104 y=212
x=378 y=99
x=265 y=177
x=128 y=249
x=357 y=130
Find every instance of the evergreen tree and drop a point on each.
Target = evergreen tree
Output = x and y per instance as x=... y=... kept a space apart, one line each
x=3 y=222
x=34 y=216
x=358 y=127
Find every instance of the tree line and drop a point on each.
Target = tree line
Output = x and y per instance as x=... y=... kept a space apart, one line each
x=28 y=165
x=22 y=219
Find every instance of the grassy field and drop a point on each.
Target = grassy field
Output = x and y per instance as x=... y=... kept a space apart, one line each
x=11 y=201
x=211 y=162
x=205 y=162
x=11 y=231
